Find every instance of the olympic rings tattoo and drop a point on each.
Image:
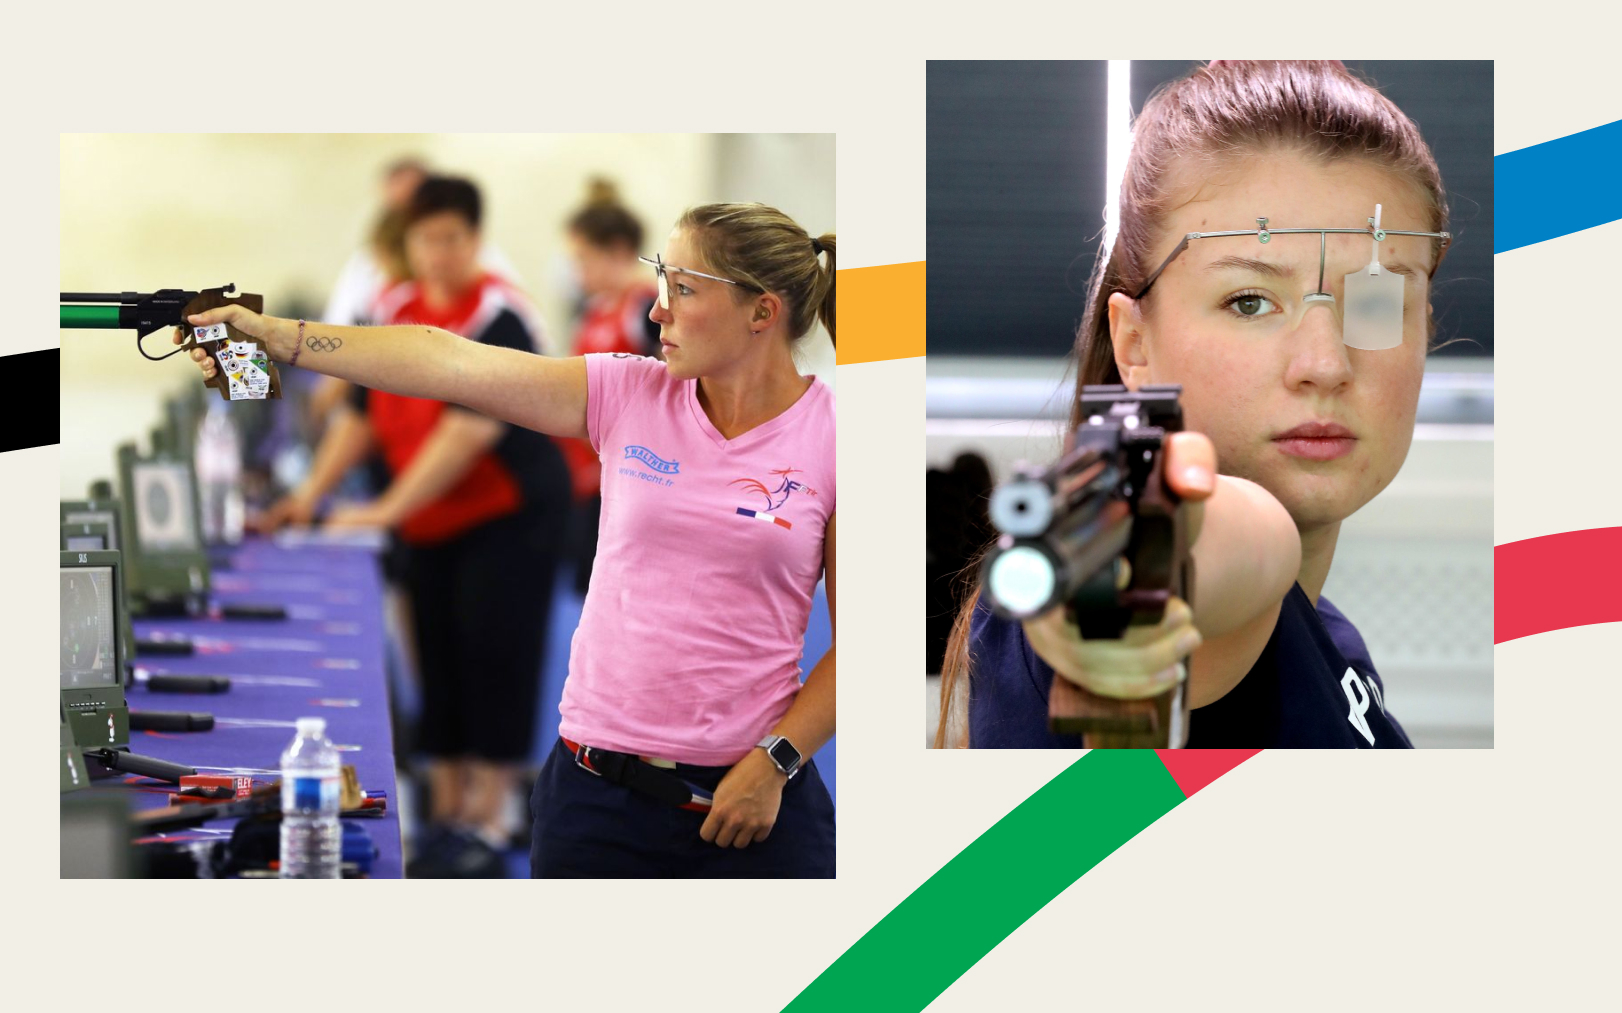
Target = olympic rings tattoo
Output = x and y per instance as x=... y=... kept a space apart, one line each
x=317 y=343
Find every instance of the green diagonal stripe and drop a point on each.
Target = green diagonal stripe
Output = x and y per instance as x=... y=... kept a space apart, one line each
x=1048 y=842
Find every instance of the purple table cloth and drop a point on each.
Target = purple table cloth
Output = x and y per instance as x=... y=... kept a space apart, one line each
x=325 y=660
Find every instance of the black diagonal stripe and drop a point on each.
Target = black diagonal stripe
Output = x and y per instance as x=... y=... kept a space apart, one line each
x=30 y=420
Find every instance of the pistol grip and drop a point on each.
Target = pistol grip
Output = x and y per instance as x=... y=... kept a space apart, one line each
x=1108 y=723
x=212 y=299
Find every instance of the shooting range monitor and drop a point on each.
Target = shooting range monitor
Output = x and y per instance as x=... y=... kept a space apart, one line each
x=90 y=518
x=92 y=668
x=92 y=526
x=95 y=837
x=71 y=764
x=168 y=568
x=87 y=537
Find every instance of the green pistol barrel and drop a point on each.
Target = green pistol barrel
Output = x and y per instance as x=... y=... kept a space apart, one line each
x=90 y=316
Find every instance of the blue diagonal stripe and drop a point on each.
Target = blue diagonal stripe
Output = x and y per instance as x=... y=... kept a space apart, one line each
x=1556 y=188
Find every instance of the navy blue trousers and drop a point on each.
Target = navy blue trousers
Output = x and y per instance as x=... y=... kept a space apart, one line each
x=587 y=827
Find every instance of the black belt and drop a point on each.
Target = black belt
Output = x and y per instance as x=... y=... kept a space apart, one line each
x=630 y=770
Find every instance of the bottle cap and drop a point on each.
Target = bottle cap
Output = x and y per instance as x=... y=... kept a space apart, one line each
x=312 y=726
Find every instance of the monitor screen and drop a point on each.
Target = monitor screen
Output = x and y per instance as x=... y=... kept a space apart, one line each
x=95 y=517
x=163 y=507
x=89 y=627
x=86 y=543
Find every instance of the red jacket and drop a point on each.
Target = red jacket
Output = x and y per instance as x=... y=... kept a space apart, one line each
x=611 y=324
x=490 y=488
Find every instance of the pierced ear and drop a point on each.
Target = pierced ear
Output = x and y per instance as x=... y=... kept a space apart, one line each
x=1127 y=331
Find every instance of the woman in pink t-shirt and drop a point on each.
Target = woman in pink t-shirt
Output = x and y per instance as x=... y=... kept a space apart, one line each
x=686 y=733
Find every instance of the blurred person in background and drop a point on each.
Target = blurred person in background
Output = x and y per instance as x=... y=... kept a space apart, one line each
x=381 y=264
x=371 y=270
x=1305 y=427
x=686 y=733
x=604 y=241
x=482 y=509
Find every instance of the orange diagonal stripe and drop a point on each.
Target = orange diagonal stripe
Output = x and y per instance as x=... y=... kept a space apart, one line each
x=881 y=313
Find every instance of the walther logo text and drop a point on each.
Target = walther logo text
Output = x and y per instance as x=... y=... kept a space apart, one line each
x=653 y=460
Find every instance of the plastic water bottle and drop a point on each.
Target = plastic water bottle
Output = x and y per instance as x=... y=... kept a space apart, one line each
x=219 y=474
x=312 y=840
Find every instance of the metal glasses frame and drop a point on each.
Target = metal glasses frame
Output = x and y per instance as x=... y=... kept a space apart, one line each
x=1264 y=234
x=658 y=264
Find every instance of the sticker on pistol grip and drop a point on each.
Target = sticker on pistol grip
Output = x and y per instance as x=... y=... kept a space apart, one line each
x=248 y=378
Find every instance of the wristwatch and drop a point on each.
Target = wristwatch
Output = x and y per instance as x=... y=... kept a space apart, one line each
x=782 y=752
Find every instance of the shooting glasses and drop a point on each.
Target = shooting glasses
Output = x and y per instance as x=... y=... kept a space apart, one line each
x=658 y=264
x=1372 y=315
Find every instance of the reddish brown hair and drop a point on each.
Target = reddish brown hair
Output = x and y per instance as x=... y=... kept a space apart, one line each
x=1225 y=110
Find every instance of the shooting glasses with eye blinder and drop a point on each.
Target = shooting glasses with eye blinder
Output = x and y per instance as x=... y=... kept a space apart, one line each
x=1372 y=315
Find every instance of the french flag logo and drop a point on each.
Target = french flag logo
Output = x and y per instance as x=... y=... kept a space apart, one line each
x=775 y=498
x=761 y=515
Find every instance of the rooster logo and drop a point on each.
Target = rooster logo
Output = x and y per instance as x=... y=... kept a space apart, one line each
x=774 y=498
x=783 y=489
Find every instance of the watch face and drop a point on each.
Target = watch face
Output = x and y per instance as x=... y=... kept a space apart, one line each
x=785 y=754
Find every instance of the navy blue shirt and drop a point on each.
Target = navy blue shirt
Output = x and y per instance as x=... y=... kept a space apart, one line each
x=1314 y=686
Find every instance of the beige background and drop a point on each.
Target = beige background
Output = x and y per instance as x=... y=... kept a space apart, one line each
x=1480 y=880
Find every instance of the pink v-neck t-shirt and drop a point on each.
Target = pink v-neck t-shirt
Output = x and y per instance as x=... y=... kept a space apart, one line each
x=708 y=556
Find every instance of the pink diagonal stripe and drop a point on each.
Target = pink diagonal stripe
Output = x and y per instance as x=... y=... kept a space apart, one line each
x=1557 y=582
x=1193 y=769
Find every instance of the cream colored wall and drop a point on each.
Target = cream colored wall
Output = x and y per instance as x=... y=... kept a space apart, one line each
x=280 y=213
x=796 y=169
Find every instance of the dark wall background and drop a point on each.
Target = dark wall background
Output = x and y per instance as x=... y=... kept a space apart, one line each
x=1015 y=191
x=1014 y=185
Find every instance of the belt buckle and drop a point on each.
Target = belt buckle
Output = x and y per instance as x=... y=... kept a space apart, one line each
x=581 y=756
